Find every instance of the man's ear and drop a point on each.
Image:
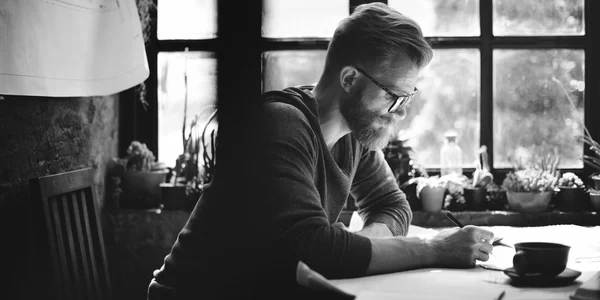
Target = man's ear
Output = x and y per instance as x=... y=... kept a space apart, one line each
x=348 y=78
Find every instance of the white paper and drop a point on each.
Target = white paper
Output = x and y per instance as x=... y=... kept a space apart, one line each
x=64 y=48
x=479 y=283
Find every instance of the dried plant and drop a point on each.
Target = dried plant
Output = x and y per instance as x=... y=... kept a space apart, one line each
x=594 y=159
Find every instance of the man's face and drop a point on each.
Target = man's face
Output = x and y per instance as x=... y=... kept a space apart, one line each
x=366 y=107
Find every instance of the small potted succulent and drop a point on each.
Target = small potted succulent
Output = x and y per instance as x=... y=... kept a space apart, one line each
x=571 y=193
x=431 y=191
x=455 y=185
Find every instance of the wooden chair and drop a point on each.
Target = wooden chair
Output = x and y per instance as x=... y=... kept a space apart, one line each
x=78 y=258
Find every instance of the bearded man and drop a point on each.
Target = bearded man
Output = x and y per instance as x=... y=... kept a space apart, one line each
x=306 y=150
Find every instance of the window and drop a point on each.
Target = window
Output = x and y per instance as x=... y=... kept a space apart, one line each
x=502 y=74
x=187 y=80
x=495 y=84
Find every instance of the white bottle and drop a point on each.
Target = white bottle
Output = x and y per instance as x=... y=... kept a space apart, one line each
x=450 y=156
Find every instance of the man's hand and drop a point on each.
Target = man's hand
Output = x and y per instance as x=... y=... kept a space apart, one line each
x=460 y=247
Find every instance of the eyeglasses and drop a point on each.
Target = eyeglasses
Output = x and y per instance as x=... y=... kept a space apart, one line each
x=399 y=101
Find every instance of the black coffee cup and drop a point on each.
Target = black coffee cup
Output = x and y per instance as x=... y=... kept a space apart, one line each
x=540 y=258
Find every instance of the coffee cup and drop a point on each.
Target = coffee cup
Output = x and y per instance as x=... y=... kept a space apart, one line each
x=540 y=258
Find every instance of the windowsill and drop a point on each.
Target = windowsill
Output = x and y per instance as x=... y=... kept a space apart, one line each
x=433 y=219
x=489 y=218
x=506 y=218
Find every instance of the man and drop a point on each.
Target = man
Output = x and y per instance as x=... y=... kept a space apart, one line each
x=307 y=150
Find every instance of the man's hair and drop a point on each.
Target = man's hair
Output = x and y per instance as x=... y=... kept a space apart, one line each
x=372 y=36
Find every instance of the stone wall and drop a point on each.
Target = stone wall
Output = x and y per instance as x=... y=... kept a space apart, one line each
x=42 y=136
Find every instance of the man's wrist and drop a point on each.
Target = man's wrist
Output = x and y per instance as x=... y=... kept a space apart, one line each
x=375 y=230
x=429 y=252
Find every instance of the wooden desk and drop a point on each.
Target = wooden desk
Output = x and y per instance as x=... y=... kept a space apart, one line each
x=479 y=283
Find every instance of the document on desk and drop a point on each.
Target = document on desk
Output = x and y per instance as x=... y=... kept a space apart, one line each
x=424 y=284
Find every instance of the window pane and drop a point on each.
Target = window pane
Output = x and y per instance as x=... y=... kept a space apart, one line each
x=306 y=18
x=535 y=17
x=532 y=114
x=448 y=100
x=283 y=69
x=442 y=18
x=186 y=19
x=201 y=94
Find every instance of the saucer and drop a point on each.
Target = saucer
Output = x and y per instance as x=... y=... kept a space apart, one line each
x=567 y=276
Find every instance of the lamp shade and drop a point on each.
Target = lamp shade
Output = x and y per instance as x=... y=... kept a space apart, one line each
x=70 y=48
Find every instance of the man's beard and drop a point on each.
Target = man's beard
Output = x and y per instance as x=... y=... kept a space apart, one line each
x=363 y=122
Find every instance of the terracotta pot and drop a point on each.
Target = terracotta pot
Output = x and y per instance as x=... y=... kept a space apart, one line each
x=572 y=199
x=173 y=196
x=596 y=180
x=595 y=201
x=529 y=201
x=475 y=198
x=142 y=189
x=432 y=198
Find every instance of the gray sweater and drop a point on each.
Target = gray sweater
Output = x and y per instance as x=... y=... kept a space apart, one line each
x=274 y=206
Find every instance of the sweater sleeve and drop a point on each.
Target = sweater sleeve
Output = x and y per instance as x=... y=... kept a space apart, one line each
x=378 y=197
x=287 y=164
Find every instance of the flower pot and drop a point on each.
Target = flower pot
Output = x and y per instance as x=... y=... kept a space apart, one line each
x=432 y=198
x=529 y=201
x=595 y=201
x=173 y=196
x=572 y=199
x=142 y=189
x=475 y=198
x=596 y=180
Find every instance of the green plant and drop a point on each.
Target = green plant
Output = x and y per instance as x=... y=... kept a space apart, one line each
x=139 y=158
x=530 y=180
x=590 y=160
x=570 y=180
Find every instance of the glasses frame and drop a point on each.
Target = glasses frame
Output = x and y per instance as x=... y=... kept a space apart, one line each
x=399 y=100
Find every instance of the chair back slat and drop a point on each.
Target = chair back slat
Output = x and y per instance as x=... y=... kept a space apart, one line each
x=59 y=229
x=72 y=251
x=90 y=241
x=79 y=263
x=85 y=257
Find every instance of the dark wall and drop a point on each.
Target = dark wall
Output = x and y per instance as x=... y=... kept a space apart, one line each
x=42 y=136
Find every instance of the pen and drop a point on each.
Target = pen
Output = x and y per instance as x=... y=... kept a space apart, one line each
x=453 y=219
x=501 y=296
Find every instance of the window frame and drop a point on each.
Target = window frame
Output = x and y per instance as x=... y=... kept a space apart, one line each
x=237 y=64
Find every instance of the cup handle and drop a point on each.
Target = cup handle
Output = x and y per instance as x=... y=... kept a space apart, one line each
x=520 y=262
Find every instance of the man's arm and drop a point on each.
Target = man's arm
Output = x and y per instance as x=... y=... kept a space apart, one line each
x=285 y=187
x=378 y=197
x=455 y=248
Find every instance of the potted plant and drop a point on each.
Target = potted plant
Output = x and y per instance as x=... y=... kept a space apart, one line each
x=431 y=191
x=190 y=174
x=496 y=197
x=476 y=191
x=455 y=197
x=141 y=177
x=571 y=195
x=592 y=160
x=529 y=190
x=595 y=199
